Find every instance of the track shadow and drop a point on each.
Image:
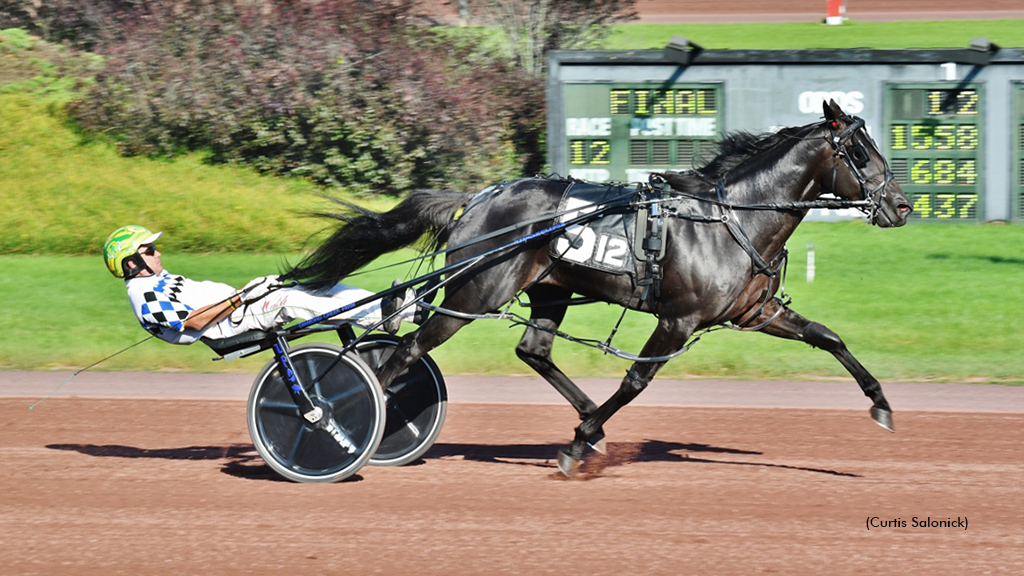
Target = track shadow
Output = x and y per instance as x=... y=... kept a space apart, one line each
x=990 y=259
x=650 y=451
x=241 y=460
x=619 y=454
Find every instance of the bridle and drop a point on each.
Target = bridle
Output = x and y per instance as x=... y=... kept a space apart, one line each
x=856 y=158
x=853 y=154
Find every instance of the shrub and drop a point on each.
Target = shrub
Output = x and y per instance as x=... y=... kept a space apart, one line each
x=342 y=92
x=48 y=71
x=82 y=24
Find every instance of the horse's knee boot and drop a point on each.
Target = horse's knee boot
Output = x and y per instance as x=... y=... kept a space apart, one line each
x=820 y=337
x=632 y=385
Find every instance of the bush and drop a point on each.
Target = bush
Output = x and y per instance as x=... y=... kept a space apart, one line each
x=50 y=72
x=341 y=92
x=82 y=24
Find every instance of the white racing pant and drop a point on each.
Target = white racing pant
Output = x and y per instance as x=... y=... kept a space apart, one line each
x=286 y=305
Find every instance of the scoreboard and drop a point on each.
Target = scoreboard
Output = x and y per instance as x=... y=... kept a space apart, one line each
x=622 y=132
x=934 y=135
x=950 y=121
x=1018 y=150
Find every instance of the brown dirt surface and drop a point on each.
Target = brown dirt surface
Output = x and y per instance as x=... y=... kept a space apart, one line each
x=755 y=10
x=114 y=485
x=683 y=11
x=163 y=486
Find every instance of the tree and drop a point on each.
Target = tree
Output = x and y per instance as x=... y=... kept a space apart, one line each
x=529 y=28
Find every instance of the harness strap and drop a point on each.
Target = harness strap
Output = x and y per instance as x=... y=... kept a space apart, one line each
x=653 y=242
x=596 y=209
x=759 y=264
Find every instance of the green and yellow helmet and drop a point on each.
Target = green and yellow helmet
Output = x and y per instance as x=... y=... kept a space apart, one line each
x=123 y=244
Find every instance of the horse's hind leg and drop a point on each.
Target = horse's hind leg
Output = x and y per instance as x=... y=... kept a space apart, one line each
x=535 y=349
x=437 y=329
x=793 y=326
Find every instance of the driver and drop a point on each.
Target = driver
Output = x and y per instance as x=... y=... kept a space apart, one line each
x=179 y=310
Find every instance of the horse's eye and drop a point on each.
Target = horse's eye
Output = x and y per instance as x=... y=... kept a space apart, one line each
x=859 y=155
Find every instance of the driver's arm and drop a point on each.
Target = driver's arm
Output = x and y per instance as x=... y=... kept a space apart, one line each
x=200 y=318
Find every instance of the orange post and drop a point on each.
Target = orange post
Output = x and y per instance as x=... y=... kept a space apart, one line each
x=833 y=12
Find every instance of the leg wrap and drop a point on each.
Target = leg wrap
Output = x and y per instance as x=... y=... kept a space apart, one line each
x=633 y=384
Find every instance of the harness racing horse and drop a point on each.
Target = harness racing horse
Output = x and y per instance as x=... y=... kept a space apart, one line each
x=720 y=267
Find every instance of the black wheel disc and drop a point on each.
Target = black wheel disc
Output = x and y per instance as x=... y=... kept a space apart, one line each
x=417 y=402
x=348 y=433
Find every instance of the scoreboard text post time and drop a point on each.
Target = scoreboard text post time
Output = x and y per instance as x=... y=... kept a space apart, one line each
x=934 y=135
x=622 y=132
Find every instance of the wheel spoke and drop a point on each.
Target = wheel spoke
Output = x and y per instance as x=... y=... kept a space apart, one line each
x=284 y=408
x=300 y=439
x=346 y=441
x=343 y=395
x=312 y=374
x=371 y=357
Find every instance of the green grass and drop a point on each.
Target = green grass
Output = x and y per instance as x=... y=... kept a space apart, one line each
x=764 y=36
x=921 y=303
x=50 y=72
x=62 y=196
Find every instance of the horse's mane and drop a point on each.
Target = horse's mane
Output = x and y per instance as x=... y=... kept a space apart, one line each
x=734 y=149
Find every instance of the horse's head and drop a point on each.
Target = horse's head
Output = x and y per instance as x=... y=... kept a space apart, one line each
x=860 y=172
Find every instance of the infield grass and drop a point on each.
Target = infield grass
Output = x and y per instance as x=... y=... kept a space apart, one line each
x=920 y=303
x=61 y=195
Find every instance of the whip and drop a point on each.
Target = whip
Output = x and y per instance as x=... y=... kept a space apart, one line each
x=96 y=363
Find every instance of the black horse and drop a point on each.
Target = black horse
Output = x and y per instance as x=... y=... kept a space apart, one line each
x=721 y=268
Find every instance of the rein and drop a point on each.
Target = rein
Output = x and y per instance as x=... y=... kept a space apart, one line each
x=851 y=154
x=855 y=158
x=589 y=212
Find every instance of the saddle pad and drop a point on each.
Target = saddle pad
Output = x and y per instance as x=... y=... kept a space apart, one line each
x=606 y=241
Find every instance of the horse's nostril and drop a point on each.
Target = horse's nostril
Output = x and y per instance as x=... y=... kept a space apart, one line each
x=905 y=209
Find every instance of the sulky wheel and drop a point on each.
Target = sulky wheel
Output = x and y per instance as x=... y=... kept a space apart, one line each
x=416 y=404
x=342 y=441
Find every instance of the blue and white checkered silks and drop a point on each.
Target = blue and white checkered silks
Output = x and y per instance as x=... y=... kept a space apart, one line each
x=161 y=306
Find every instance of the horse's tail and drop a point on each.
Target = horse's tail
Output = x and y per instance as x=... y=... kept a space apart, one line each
x=365 y=235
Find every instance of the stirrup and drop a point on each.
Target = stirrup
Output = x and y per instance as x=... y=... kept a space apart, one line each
x=388 y=307
x=427 y=291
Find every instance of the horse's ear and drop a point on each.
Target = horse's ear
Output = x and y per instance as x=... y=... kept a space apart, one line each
x=675 y=180
x=832 y=110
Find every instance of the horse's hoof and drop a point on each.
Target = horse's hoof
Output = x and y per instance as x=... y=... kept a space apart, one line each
x=598 y=443
x=883 y=418
x=568 y=465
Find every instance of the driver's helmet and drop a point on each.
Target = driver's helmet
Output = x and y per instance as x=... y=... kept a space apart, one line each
x=124 y=243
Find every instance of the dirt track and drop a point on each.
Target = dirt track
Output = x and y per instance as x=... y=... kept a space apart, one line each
x=692 y=11
x=106 y=486
x=109 y=486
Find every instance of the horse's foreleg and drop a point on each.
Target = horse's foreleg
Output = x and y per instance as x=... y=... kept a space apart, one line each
x=670 y=335
x=793 y=326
